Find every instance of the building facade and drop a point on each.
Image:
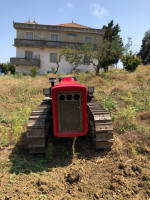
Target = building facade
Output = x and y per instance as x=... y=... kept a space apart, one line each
x=38 y=45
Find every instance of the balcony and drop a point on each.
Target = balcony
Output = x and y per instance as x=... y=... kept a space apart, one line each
x=43 y=43
x=25 y=62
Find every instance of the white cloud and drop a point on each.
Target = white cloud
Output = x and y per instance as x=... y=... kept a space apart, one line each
x=69 y=5
x=98 y=10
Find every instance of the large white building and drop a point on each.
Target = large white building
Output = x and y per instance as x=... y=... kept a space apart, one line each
x=38 y=45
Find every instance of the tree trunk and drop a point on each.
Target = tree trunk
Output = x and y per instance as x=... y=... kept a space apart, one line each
x=97 y=69
x=57 y=68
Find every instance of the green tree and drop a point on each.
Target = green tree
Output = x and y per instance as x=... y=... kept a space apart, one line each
x=145 y=49
x=74 y=55
x=101 y=52
x=105 y=52
x=130 y=61
x=111 y=35
x=98 y=53
x=6 y=67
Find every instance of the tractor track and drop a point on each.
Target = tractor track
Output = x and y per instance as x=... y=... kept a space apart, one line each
x=100 y=125
x=38 y=127
x=99 y=120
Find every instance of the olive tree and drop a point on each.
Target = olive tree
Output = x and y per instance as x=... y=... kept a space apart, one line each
x=103 y=50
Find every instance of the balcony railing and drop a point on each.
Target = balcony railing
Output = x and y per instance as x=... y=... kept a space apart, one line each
x=25 y=62
x=43 y=43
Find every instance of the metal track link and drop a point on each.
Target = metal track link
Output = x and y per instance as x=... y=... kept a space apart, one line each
x=100 y=125
x=36 y=129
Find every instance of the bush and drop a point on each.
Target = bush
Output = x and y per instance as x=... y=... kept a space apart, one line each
x=130 y=61
x=6 y=67
x=33 y=71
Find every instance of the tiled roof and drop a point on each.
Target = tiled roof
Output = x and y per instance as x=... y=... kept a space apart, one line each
x=72 y=24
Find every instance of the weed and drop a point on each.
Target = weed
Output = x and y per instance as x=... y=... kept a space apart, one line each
x=17 y=129
x=34 y=174
x=109 y=104
x=42 y=196
x=11 y=176
x=128 y=98
x=4 y=136
x=127 y=119
x=121 y=129
x=4 y=118
x=27 y=164
x=20 y=118
x=17 y=75
x=133 y=150
x=43 y=172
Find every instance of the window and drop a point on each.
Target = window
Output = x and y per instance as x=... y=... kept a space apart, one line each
x=87 y=39
x=53 y=57
x=87 y=60
x=54 y=37
x=28 y=54
x=29 y=35
x=71 y=34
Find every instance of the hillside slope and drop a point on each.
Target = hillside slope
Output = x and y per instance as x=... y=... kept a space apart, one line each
x=122 y=173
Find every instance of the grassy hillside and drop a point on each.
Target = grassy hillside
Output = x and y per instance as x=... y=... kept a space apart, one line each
x=122 y=173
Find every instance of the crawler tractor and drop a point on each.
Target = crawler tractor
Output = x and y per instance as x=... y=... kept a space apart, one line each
x=68 y=110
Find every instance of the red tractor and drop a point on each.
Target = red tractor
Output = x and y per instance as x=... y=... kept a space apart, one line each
x=68 y=110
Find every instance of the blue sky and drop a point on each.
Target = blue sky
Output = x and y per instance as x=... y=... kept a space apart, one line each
x=133 y=17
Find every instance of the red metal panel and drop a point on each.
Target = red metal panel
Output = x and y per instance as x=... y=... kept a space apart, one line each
x=69 y=84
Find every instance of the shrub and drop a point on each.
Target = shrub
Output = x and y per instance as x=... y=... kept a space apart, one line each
x=12 y=69
x=130 y=61
x=53 y=70
x=6 y=67
x=25 y=74
x=33 y=71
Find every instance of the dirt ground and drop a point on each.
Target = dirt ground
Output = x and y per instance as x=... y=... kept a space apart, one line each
x=122 y=173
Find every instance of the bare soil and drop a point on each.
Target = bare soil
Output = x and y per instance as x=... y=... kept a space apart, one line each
x=122 y=173
x=89 y=174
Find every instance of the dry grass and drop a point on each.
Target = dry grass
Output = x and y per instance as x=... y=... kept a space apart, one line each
x=122 y=173
x=121 y=92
